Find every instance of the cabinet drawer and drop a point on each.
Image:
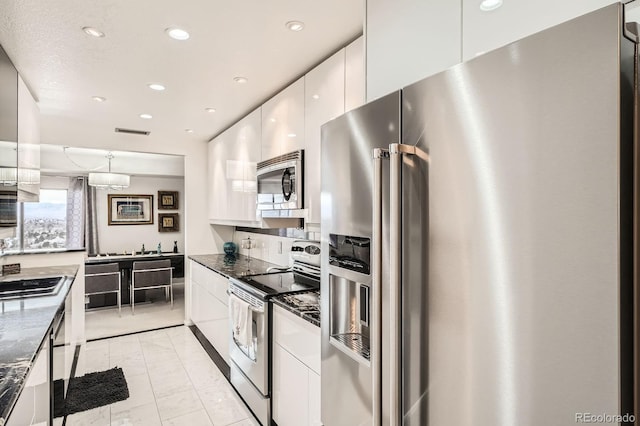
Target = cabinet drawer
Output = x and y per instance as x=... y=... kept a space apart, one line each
x=220 y=285
x=299 y=337
x=199 y=273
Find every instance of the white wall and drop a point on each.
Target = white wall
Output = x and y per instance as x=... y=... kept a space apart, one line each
x=119 y=238
x=270 y=248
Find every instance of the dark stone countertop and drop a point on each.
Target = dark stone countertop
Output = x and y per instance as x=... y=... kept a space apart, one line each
x=305 y=305
x=236 y=266
x=24 y=326
x=103 y=258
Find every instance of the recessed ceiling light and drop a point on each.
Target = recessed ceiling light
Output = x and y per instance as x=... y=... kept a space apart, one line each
x=240 y=80
x=98 y=98
x=295 y=25
x=292 y=135
x=177 y=33
x=488 y=5
x=188 y=130
x=273 y=120
x=146 y=116
x=316 y=96
x=93 y=31
x=156 y=86
x=210 y=109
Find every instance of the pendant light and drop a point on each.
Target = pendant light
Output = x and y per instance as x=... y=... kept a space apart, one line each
x=109 y=180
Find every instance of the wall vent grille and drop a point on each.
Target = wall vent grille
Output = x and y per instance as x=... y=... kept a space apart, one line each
x=132 y=131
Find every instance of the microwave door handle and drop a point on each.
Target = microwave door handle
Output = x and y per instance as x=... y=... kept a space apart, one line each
x=286 y=175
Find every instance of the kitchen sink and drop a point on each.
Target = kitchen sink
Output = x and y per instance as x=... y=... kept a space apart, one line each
x=44 y=286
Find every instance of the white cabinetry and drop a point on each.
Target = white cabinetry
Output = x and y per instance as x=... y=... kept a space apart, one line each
x=232 y=172
x=209 y=307
x=283 y=121
x=324 y=100
x=28 y=145
x=484 y=31
x=296 y=370
x=354 y=75
x=33 y=404
x=408 y=40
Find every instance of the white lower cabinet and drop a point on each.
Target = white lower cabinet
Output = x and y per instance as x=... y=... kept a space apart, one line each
x=32 y=406
x=314 y=399
x=209 y=307
x=296 y=368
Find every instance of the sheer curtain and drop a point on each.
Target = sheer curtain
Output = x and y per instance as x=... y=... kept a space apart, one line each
x=82 y=220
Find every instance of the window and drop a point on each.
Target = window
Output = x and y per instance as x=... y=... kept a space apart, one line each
x=41 y=225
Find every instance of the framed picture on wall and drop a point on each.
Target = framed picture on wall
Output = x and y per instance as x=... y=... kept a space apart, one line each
x=168 y=222
x=127 y=209
x=167 y=200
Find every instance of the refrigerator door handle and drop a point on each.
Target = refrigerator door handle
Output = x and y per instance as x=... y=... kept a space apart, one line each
x=396 y=151
x=376 y=307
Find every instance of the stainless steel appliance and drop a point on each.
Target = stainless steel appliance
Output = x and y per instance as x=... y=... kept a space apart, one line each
x=251 y=365
x=280 y=186
x=478 y=230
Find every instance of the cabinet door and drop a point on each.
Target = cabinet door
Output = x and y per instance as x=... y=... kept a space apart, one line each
x=290 y=389
x=354 y=75
x=28 y=145
x=324 y=100
x=216 y=177
x=408 y=40
x=484 y=31
x=232 y=172
x=243 y=152
x=314 y=399
x=283 y=122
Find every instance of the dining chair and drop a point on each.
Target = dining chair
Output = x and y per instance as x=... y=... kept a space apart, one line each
x=151 y=274
x=102 y=279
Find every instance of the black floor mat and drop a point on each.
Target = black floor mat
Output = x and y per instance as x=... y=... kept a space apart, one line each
x=90 y=391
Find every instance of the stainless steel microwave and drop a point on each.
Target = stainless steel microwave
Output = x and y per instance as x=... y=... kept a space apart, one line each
x=280 y=186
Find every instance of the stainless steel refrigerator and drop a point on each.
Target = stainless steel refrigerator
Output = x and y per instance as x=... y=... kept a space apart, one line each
x=478 y=231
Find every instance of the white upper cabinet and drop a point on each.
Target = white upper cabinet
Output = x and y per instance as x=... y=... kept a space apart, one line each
x=283 y=122
x=354 y=75
x=324 y=100
x=28 y=145
x=515 y=19
x=408 y=40
x=233 y=156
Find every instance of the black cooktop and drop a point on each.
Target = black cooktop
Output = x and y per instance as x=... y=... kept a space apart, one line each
x=270 y=285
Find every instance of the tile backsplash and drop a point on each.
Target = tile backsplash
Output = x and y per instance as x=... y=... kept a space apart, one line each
x=271 y=248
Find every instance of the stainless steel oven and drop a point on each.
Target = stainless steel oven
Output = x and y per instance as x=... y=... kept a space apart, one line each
x=280 y=183
x=250 y=364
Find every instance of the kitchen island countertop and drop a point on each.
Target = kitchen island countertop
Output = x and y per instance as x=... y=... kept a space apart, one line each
x=24 y=324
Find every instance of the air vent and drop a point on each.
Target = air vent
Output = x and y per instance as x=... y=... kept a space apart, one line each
x=132 y=131
x=292 y=156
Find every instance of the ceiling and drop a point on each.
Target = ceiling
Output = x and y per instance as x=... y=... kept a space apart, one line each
x=65 y=68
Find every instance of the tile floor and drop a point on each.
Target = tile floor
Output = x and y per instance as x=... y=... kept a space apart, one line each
x=100 y=323
x=171 y=380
